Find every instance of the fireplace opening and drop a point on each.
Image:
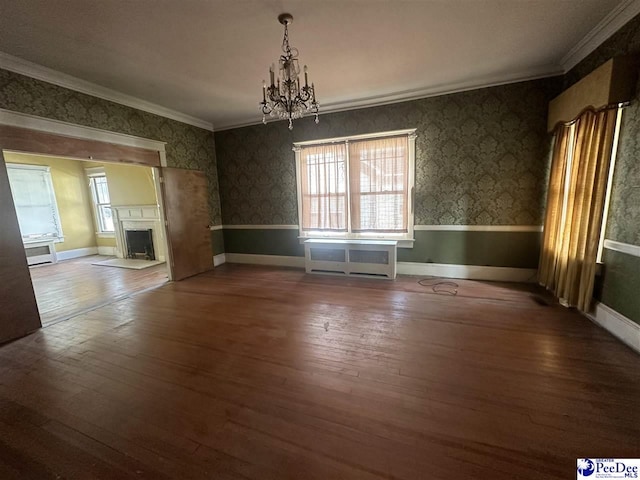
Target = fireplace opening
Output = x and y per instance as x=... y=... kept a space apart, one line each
x=140 y=244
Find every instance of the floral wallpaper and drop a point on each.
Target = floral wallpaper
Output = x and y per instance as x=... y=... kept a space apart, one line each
x=624 y=211
x=481 y=157
x=257 y=175
x=187 y=146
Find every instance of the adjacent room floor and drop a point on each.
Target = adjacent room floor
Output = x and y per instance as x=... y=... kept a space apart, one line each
x=265 y=373
x=69 y=287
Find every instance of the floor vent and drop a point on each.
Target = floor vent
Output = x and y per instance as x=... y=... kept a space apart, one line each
x=540 y=300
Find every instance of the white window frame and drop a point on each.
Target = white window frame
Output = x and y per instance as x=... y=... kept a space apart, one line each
x=52 y=198
x=607 y=198
x=92 y=173
x=405 y=240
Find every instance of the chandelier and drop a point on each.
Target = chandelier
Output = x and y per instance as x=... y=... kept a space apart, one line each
x=285 y=98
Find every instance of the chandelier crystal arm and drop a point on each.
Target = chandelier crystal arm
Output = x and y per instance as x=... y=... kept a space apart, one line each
x=284 y=97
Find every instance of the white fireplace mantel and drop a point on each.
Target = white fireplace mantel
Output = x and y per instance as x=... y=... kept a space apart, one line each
x=138 y=217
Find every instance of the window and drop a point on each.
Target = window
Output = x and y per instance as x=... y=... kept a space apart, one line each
x=101 y=200
x=35 y=201
x=357 y=187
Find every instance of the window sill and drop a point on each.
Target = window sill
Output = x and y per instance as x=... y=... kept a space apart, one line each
x=402 y=242
x=105 y=234
x=28 y=241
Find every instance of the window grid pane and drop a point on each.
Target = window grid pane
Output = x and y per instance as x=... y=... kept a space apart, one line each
x=102 y=203
x=102 y=190
x=378 y=179
x=324 y=188
x=106 y=218
x=379 y=184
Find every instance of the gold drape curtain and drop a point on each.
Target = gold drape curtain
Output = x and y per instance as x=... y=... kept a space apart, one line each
x=575 y=202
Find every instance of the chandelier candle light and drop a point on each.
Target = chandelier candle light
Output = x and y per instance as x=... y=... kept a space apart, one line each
x=285 y=98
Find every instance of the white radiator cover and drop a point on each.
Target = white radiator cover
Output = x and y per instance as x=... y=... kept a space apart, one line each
x=40 y=252
x=362 y=258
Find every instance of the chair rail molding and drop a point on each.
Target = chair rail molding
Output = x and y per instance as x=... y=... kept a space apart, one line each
x=627 y=248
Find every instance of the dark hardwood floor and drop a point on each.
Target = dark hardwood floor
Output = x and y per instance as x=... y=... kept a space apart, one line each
x=263 y=373
x=70 y=287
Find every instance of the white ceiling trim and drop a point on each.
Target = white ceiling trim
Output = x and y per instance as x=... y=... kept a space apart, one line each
x=33 y=70
x=609 y=25
x=602 y=31
x=475 y=84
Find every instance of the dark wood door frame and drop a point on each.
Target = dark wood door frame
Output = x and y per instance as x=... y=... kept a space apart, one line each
x=34 y=141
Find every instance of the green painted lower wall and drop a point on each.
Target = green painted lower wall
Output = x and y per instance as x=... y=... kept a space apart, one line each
x=217 y=242
x=495 y=249
x=621 y=284
x=263 y=242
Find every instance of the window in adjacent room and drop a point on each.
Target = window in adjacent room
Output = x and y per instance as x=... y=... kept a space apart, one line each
x=101 y=200
x=35 y=202
x=357 y=187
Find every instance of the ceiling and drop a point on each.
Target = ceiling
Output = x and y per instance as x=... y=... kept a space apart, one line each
x=207 y=58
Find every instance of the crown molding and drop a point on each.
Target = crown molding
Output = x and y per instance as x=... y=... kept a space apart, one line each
x=615 y=20
x=416 y=94
x=609 y=25
x=33 y=70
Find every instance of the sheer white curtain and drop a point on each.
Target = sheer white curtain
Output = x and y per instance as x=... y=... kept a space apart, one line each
x=379 y=177
x=376 y=172
x=324 y=187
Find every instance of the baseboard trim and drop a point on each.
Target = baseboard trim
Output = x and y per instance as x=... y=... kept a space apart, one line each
x=275 y=260
x=109 y=251
x=470 y=272
x=76 y=253
x=617 y=325
x=219 y=259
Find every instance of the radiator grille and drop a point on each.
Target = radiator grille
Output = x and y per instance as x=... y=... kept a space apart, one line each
x=379 y=257
x=36 y=251
x=328 y=255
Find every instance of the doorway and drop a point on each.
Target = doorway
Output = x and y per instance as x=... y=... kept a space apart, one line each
x=181 y=195
x=81 y=223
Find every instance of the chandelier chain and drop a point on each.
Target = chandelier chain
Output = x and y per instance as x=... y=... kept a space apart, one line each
x=285 y=41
